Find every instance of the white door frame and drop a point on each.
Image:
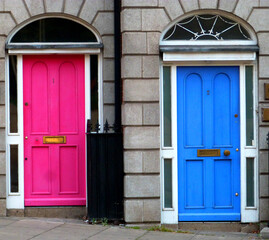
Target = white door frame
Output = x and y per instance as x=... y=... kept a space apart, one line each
x=16 y=200
x=248 y=214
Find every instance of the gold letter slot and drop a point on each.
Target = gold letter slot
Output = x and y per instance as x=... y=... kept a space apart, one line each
x=54 y=139
x=208 y=152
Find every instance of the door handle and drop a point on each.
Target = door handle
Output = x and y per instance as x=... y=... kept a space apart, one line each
x=226 y=152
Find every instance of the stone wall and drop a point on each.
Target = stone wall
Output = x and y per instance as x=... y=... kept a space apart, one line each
x=98 y=14
x=142 y=23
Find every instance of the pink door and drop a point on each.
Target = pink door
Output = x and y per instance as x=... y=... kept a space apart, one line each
x=54 y=130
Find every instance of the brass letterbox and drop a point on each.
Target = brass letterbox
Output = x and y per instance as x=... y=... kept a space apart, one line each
x=54 y=139
x=208 y=152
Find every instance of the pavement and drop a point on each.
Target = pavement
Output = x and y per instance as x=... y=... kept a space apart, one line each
x=66 y=229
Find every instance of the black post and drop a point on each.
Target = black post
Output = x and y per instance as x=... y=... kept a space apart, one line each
x=268 y=164
x=117 y=49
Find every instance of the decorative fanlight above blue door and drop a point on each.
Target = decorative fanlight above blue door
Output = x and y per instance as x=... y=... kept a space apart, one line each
x=206 y=27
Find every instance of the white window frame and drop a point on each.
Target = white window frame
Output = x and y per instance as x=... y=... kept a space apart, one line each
x=248 y=214
x=16 y=200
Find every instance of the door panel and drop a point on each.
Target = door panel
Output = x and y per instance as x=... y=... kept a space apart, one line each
x=208 y=118
x=54 y=105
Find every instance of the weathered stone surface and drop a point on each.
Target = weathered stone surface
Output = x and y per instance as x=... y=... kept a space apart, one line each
x=2 y=93
x=2 y=186
x=227 y=5
x=131 y=67
x=108 y=46
x=133 y=162
x=17 y=8
x=131 y=20
x=3 y=140
x=263 y=43
x=153 y=39
x=2 y=70
x=54 y=6
x=132 y=114
x=109 y=70
x=264 y=3
x=264 y=187
x=264 y=209
x=151 y=161
x=151 y=66
x=141 y=137
x=109 y=113
x=261 y=106
x=139 y=3
x=2 y=46
x=2 y=163
x=109 y=5
x=189 y=5
x=152 y=23
x=152 y=210
x=261 y=90
x=72 y=7
x=263 y=161
x=2 y=207
x=259 y=19
x=141 y=90
x=90 y=9
x=109 y=94
x=172 y=7
x=133 y=210
x=151 y=114
x=244 y=7
x=35 y=6
x=104 y=23
x=263 y=66
x=2 y=116
x=265 y=233
x=141 y=186
x=134 y=43
x=263 y=131
x=209 y=4
x=8 y=25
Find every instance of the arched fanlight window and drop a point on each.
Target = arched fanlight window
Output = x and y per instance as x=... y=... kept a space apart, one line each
x=53 y=31
x=208 y=29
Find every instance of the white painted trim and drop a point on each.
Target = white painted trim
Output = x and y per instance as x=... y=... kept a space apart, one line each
x=100 y=92
x=247 y=214
x=210 y=56
x=54 y=51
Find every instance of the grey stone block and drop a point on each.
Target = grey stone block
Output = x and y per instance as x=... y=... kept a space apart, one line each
x=133 y=162
x=3 y=207
x=131 y=67
x=209 y=4
x=109 y=93
x=264 y=3
x=151 y=114
x=109 y=113
x=151 y=161
x=141 y=137
x=90 y=9
x=263 y=160
x=189 y=5
x=264 y=186
x=263 y=43
x=259 y=19
x=8 y=21
x=152 y=211
x=263 y=66
x=2 y=70
x=2 y=186
x=133 y=210
x=141 y=90
x=108 y=46
x=54 y=6
x=2 y=163
x=151 y=66
x=172 y=7
x=35 y=6
x=2 y=116
x=104 y=23
x=109 y=5
x=2 y=46
x=244 y=7
x=141 y=186
x=152 y=23
x=3 y=140
x=139 y=3
x=2 y=93
x=227 y=5
x=131 y=20
x=261 y=91
x=17 y=8
x=134 y=43
x=109 y=70
x=72 y=7
x=153 y=39
x=265 y=233
x=131 y=114
x=264 y=209
x=263 y=131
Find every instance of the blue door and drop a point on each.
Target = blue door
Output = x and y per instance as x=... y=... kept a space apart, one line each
x=208 y=143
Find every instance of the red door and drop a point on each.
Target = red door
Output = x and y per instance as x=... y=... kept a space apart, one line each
x=54 y=130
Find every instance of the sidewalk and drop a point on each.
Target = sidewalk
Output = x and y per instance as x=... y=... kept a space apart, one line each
x=65 y=229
